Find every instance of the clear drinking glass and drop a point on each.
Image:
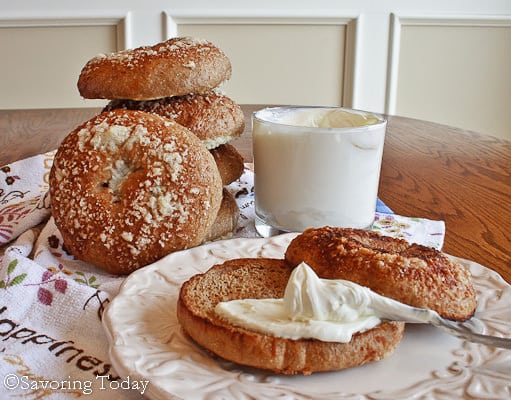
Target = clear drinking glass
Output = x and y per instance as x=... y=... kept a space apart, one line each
x=315 y=166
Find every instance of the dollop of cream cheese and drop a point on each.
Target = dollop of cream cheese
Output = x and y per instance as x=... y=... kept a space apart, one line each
x=329 y=118
x=331 y=310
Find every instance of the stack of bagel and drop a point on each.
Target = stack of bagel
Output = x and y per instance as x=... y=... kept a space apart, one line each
x=147 y=175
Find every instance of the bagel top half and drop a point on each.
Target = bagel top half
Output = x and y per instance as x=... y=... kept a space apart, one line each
x=413 y=274
x=129 y=187
x=176 y=67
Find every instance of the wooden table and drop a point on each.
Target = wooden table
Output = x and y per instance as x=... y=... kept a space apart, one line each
x=429 y=170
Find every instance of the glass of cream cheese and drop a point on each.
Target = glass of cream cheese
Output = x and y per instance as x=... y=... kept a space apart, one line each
x=315 y=166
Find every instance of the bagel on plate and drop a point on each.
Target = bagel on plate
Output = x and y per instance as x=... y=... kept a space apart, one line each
x=416 y=275
x=263 y=278
x=412 y=274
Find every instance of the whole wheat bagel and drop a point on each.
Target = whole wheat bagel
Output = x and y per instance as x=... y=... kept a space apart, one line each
x=214 y=118
x=226 y=220
x=410 y=273
x=267 y=278
x=229 y=162
x=176 y=67
x=128 y=187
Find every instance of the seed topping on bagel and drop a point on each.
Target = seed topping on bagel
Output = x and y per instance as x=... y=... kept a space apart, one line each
x=179 y=48
x=129 y=187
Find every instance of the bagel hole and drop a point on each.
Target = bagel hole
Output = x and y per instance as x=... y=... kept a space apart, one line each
x=119 y=171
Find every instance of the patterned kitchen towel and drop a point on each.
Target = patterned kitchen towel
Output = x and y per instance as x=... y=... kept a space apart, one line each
x=24 y=200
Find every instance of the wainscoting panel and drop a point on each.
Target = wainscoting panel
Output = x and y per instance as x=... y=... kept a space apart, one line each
x=46 y=57
x=455 y=71
x=276 y=63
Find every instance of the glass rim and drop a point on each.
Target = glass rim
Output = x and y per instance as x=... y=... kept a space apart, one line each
x=382 y=120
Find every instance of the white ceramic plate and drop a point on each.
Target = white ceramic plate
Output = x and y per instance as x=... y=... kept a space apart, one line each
x=146 y=342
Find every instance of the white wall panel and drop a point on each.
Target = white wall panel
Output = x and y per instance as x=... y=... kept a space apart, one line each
x=453 y=71
x=46 y=55
x=283 y=64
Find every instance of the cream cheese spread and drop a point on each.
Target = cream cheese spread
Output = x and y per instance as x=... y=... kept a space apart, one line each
x=331 y=310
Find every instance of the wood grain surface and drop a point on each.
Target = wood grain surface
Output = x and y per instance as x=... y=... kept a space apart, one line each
x=429 y=170
x=438 y=172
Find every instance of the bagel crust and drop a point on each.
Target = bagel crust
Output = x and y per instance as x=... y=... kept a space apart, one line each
x=214 y=118
x=267 y=278
x=226 y=220
x=129 y=187
x=229 y=162
x=410 y=273
x=176 y=67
